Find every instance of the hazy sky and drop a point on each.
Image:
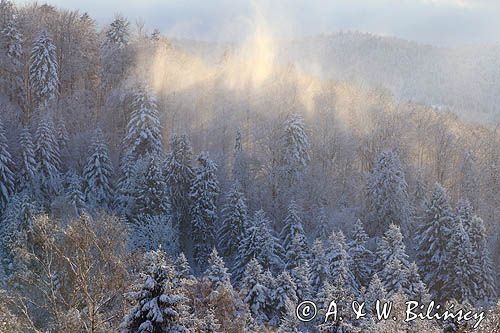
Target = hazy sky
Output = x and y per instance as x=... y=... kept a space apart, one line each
x=438 y=22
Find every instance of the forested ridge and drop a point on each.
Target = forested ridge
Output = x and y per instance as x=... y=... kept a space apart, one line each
x=146 y=189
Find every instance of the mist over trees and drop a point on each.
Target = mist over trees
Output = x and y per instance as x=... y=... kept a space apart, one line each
x=144 y=188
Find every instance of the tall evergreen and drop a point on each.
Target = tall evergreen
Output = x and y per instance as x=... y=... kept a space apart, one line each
x=294 y=146
x=151 y=192
x=293 y=236
x=387 y=194
x=216 y=271
x=254 y=293
x=362 y=258
x=6 y=170
x=339 y=262
x=74 y=193
x=44 y=69
x=204 y=192
x=158 y=306
x=260 y=243
x=433 y=235
x=484 y=273
x=11 y=57
x=179 y=174
x=47 y=159
x=98 y=173
x=28 y=167
x=319 y=266
x=286 y=291
x=234 y=217
x=143 y=129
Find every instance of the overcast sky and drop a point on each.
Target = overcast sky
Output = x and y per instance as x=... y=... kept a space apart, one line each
x=437 y=22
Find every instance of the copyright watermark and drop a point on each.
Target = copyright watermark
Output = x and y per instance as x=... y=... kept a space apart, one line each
x=307 y=311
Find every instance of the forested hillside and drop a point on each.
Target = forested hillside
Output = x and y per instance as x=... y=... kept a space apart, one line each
x=147 y=187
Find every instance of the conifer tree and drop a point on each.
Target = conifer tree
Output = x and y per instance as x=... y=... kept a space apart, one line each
x=294 y=146
x=293 y=237
x=254 y=293
x=290 y=323
x=6 y=170
x=362 y=258
x=204 y=191
x=151 y=193
x=182 y=270
x=319 y=266
x=301 y=276
x=260 y=243
x=143 y=129
x=114 y=54
x=416 y=288
x=179 y=176
x=158 y=306
x=393 y=264
x=375 y=291
x=97 y=174
x=44 y=69
x=234 y=217
x=339 y=262
x=484 y=293
x=11 y=61
x=74 y=193
x=387 y=194
x=216 y=272
x=62 y=135
x=286 y=291
x=433 y=235
x=47 y=159
x=28 y=168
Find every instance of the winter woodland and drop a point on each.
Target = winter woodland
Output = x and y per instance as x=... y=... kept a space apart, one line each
x=147 y=188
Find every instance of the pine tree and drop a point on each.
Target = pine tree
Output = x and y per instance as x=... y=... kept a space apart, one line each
x=151 y=193
x=28 y=168
x=483 y=272
x=416 y=289
x=387 y=194
x=376 y=291
x=391 y=246
x=158 y=305
x=393 y=264
x=293 y=237
x=260 y=243
x=216 y=272
x=343 y=296
x=11 y=61
x=47 y=159
x=319 y=266
x=286 y=291
x=182 y=270
x=179 y=176
x=290 y=323
x=433 y=235
x=115 y=57
x=339 y=262
x=362 y=258
x=6 y=170
x=204 y=191
x=74 y=193
x=143 y=129
x=294 y=147
x=234 y=217
x=254 y=293
x=43 y=70
x=97 y=174
x=118 y=34
x=301 y=276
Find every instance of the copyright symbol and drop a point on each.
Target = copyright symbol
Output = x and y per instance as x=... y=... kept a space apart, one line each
x=306 y=311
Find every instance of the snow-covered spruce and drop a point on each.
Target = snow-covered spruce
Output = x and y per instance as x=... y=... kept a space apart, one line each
x=44 y=69
x=6 y=170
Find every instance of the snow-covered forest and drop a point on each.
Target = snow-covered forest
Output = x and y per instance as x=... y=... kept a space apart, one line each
x=147 y=188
